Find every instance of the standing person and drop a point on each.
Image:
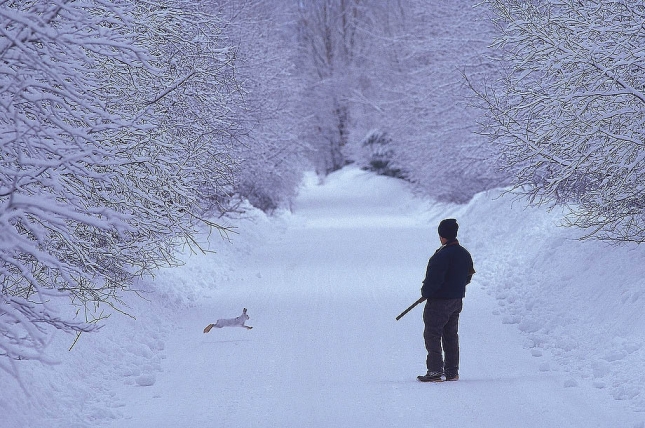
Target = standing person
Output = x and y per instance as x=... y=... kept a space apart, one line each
x=448 y=272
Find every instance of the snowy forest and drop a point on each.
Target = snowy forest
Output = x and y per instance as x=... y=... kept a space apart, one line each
x=127 y=126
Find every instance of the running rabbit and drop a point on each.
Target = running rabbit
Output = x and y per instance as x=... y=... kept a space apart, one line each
x=231 y=322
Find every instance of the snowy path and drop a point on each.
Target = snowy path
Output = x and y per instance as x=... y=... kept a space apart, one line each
x=326 y=351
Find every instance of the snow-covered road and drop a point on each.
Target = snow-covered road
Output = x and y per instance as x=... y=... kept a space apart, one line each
x=322 y=290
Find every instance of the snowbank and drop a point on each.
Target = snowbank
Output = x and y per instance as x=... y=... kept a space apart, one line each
x=579 y=303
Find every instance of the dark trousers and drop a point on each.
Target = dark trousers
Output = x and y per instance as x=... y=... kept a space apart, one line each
x=441 y=319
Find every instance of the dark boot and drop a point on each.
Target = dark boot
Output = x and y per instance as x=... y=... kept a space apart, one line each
x=452 y=374
x=431 y=377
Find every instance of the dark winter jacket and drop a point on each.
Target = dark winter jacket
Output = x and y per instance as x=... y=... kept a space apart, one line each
x=449 y=271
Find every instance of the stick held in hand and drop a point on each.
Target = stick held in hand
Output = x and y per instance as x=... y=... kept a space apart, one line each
x=421 y=299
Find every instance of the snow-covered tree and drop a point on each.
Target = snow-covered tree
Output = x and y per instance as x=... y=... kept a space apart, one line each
x=569 y=111
x=397 y=67
x=423 y=98
x=332 y=35
x=115 y=118
x=193 y=95
x=272 y=157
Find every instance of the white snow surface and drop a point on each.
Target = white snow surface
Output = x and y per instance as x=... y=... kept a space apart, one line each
x=552 y=329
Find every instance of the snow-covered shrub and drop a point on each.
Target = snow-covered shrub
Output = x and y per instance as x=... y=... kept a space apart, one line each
x=267 y=183
x=379 y=154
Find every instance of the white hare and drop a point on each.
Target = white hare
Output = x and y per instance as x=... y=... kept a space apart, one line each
x=231 y=322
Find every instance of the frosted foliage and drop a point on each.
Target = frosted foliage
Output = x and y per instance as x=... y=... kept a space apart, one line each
x=425 y=105
x=338 y=40
x=569 y=110
x=272 y=158
x=100 y=173
x=396 y=67
x=343 y=46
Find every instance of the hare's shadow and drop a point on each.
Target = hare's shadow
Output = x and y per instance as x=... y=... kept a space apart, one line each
x=227 y=341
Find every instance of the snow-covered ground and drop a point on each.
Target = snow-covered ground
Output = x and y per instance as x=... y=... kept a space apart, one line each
x=552 y=330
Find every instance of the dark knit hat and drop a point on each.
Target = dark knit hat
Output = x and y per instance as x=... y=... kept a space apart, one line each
x=448 y=228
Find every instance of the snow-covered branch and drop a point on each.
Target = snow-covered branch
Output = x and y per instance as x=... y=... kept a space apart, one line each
x=569 y=111
x=97 y=184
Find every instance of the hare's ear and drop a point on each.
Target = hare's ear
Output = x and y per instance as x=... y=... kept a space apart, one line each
x=244 y=311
